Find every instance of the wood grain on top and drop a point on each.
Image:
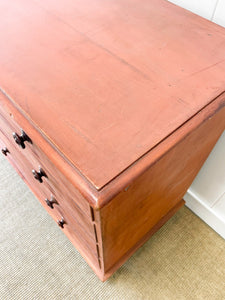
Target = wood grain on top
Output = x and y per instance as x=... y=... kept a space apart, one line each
x=106 y=81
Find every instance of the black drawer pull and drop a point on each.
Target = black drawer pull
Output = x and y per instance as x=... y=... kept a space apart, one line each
x=38 y=175
x=61 y=222
x=20 y=139
x=5 y=151
x=51 y=202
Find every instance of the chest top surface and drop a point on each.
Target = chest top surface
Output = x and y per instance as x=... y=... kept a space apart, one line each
x=106 y=81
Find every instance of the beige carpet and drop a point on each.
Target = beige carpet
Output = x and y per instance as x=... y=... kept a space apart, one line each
x=184 y=260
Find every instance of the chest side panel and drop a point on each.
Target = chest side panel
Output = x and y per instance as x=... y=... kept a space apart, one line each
x=134 y=212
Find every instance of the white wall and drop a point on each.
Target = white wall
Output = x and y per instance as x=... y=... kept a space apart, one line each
x=213 y=10
x=206 y=196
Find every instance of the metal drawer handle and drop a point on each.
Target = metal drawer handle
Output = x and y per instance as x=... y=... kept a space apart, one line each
x=5 y=151
x=20 y=139
x=51 y=202
x=61 y=222
x=38 y=175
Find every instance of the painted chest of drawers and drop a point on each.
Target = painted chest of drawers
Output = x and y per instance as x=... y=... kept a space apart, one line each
x=108 y=109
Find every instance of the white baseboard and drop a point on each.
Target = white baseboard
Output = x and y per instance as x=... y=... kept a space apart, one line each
x=206 y=213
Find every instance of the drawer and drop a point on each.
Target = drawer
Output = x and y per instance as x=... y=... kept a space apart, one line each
x=78 y=225
x=56 y=180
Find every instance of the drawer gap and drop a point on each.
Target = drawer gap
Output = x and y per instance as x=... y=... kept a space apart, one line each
x=92 y=214
x=96 y=237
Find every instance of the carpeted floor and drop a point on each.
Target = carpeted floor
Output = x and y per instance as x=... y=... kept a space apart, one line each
x=183 y=260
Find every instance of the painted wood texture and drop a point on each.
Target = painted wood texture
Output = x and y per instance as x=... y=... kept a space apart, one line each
x=78 y=226
x=108 y=80
x=146 y=201
x=123 y=101
x=138 y=208
x=83 y=193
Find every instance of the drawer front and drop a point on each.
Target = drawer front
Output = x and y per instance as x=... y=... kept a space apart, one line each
x=54 y=192
x=58 y=181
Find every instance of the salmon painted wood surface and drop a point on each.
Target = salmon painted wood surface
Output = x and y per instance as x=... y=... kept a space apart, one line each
x=123 y=100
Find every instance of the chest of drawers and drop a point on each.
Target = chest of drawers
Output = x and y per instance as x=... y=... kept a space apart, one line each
x=108 y=109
